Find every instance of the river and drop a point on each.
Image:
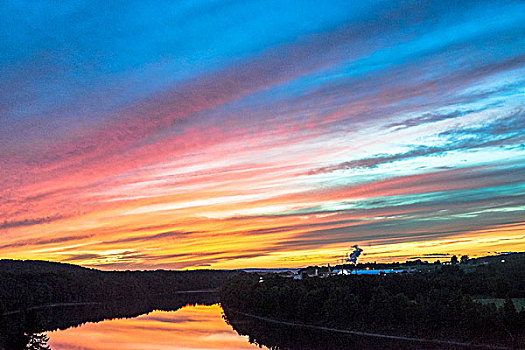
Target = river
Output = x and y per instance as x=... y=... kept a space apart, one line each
x=179 y=322
x=190 y=327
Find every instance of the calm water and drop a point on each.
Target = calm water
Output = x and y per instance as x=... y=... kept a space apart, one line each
x=184 y=322
x=191 y=327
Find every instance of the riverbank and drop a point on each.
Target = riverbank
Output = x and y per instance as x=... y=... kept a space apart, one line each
x=47 y=306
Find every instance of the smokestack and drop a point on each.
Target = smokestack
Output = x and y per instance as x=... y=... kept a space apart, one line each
x=355 y=254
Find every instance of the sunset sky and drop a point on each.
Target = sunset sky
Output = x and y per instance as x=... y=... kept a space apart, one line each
x=227 y=134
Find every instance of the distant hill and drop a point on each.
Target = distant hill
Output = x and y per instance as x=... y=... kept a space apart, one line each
x=510 y=256
x=277 y=270
x=37 y=266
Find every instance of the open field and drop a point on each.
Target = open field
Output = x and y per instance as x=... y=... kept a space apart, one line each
x=519 y=303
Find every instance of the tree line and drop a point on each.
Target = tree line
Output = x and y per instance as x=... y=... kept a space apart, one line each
x=24 y=284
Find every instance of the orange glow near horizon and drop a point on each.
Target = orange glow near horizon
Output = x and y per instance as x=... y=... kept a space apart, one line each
x=210 y=141
x=191 y=327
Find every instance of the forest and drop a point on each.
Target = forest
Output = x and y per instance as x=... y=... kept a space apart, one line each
x=438 y=304
x=25 y=284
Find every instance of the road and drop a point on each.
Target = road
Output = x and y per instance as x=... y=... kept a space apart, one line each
x=376 y=335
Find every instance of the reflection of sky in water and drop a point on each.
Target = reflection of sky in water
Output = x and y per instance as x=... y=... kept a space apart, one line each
x=191 y=327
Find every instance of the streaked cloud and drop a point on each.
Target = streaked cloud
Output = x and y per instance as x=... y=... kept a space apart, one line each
x=130 y=142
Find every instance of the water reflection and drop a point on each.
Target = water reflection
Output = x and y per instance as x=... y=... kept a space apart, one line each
x=189 y=322
x=191 y=327
x=22 y=330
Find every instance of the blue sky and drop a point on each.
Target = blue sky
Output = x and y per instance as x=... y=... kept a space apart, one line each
x=247 y=133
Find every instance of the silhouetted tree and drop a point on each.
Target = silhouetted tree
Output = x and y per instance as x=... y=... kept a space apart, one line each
x=454 y=260
x=38 y=342
x=464 y=259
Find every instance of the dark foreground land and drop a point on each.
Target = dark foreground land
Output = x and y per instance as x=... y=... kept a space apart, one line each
x=37 y=296
x=26 y=284
x=445 y=303
x=478 y=302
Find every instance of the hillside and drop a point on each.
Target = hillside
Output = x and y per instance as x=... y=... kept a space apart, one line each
x=29 y=283
x=37 y=266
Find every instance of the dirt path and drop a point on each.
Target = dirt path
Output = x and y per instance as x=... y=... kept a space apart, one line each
x=376 y=335
x=196 y=291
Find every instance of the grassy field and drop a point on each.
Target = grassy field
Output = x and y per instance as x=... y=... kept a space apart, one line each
x=519 y=303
